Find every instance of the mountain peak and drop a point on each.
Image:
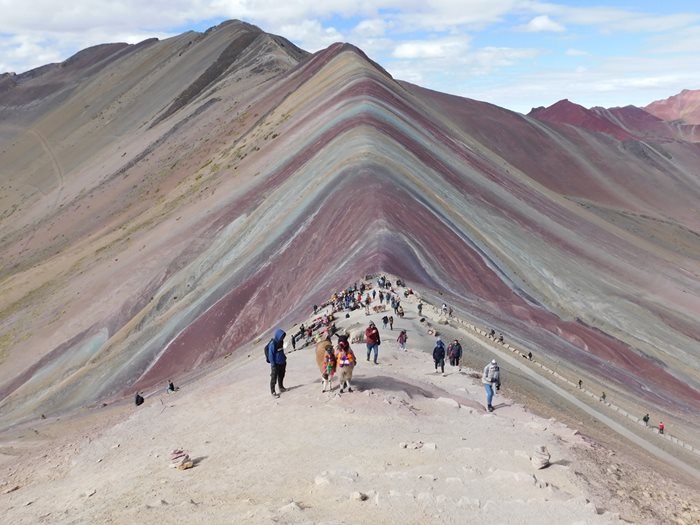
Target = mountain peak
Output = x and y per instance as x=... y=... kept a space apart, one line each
x=685 y=106
x=567 y=112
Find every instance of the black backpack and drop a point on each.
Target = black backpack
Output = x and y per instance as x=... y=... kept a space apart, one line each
x=267 y=357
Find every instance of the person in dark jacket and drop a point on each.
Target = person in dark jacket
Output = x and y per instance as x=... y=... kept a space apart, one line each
x=278 y=361
x=454 y=352
x=372 y=340
x=439 y=355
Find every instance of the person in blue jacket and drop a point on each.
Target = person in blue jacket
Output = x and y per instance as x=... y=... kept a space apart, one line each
x=278 y=361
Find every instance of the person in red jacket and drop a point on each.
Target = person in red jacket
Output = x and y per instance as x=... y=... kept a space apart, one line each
x=661 y=427
x=373 y=341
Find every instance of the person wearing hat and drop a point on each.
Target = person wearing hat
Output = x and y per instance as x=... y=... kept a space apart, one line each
x=491 y=378
x=373 y=341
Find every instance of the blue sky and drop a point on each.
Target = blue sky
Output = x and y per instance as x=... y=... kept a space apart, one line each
x=514 y=53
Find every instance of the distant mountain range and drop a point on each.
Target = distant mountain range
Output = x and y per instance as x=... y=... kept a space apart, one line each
x=165 y=203
x=675 y=118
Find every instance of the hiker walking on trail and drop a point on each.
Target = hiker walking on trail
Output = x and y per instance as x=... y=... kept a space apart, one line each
x=439 y=355
x=662 y=427
x=402 y=340
x=491 y=379
x=385 y=321
x=603 y=396
x=580 y=383
x=646 y=420
x=372 y=340
x=278 y=361
x=454 y=352
x=391 y=322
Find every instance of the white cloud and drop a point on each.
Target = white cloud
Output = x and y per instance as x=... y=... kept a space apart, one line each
x=685 y=41
x=436 y=48
x=375 y=27
x=311 y=35
x=542 y=23
x=614 y=19
x=576 y=53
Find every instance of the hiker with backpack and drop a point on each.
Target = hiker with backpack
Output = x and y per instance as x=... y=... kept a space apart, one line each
x=491 y=379
x=439 y=355
x=454 y=352
x=274 y=353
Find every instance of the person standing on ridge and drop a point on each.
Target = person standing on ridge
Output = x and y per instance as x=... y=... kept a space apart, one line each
x=402 y=340
x=491 y=378
x=278 y=361
x=439 y=355
x=580 y=383
x=646 y=420
x=662 y=427
x=454 y=351
x=373 y=341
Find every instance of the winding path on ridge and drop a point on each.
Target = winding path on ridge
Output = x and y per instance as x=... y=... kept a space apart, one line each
x=606 y=420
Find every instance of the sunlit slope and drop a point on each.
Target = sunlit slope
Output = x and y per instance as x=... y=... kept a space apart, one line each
x=275 y=186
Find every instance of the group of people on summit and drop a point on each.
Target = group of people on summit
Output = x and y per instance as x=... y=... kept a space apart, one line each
x=275 y=356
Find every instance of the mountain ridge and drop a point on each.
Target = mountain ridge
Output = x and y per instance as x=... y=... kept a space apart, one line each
x=286 y=175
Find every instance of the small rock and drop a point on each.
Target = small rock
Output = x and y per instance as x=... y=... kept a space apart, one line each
x=448 y=401
x=359 y=496
x=540 y=459
x=291 y=507
x=430 y=446
x=99 y=460
x=12 y=489
x=90 y=493
x=115 y=446
x=403 y=444
x=28 y=503
x=321 y=480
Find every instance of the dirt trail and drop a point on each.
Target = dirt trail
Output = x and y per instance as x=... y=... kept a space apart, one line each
x=606 y=420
